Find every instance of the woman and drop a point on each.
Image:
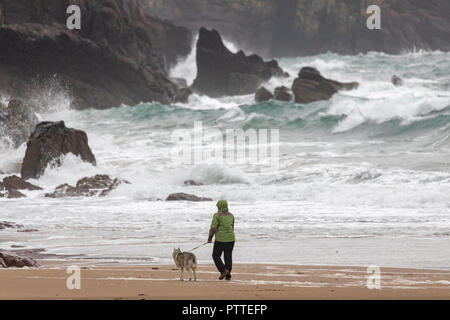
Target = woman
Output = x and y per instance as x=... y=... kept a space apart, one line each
x=222 y=227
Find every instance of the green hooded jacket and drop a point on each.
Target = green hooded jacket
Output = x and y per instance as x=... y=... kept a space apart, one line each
x=223 y=223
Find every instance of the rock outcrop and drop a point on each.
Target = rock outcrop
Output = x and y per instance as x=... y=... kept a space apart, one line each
x=17 y=121
x=192 y=183
x=10 y=259
x=9 y=225
x=223 y=73
x=10 y=187
x=262 y=94
x=121 y=54
x=282 y=94
x=305 y=27
x=16 y=183
x=397 y=81
x=183 y=94
x=311 y=86
x=184 y=91
x=186 y=197
x=48 y=143
x=10 y=194
x=99 y=185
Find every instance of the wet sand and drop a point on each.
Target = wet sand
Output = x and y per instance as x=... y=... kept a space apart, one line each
x=249 y=281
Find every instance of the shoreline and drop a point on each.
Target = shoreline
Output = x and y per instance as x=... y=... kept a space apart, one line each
x=99 y=262
x=249 y=282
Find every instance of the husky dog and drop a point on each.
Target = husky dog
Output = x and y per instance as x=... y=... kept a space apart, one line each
x=185 y=261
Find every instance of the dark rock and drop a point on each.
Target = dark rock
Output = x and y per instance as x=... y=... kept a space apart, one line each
x=396 y=81
x=9 y=225
x=50 y=141
x=242 y=83
x=282 y=94
x=192 y=183
x=183 y=95
x=292 y=28
x=262 y=94
x=27 y=230
x=186 y=197
x=183 y=91
x=63 y=191
x=14 y=182
x=14 y=194
x=17 y=121
x=10 y=259
x=99 y=185
x=311 y=86
x=11 y=194
x=223 y=73
x=120 y=55
x=10 y=186
x=102 y=183
x=40 y=253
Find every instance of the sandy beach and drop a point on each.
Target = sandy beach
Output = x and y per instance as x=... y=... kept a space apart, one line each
x=253 y=282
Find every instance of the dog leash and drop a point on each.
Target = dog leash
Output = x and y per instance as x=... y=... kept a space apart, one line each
x=198 y=246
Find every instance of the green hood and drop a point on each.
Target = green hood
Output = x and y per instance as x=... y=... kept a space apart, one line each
x=222 y=205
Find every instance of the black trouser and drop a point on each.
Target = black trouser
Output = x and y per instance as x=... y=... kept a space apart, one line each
x=227 y=249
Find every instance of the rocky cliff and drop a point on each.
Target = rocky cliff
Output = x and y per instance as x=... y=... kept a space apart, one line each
x=223 y=73
x=120 y=55
x=305 y=27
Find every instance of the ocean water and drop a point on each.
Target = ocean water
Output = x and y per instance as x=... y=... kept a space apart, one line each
x=361 y=179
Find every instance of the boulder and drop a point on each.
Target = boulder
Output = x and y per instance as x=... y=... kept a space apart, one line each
x=223 y=73
x=10 y=259
x=9 y=193
x=99 y=185
x=50 y=141
x=16 y=183
x=27 y=230
x=183 y=91
x=282 y=94
x=397 y=81
x=192 y=183
x=311 y=86
x=9 y=225
x=186 y=197
x=183 y=95
x=17 y=121
x=262 y=94
x=13 y=194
